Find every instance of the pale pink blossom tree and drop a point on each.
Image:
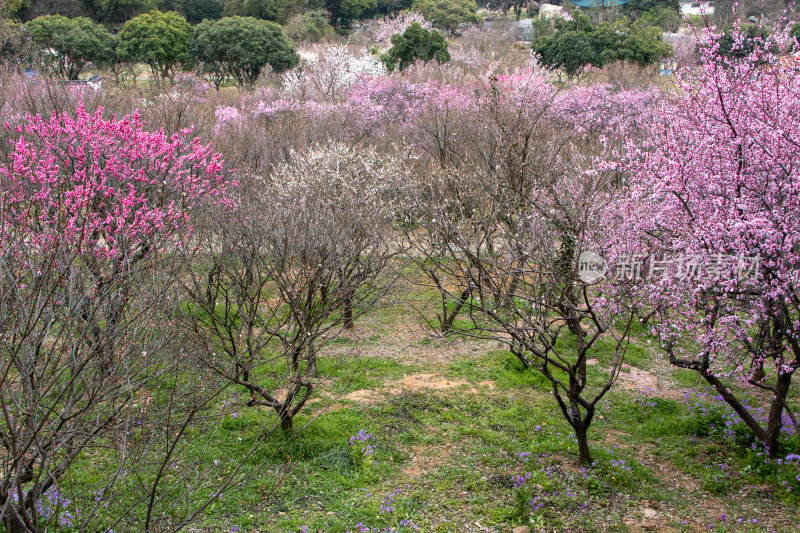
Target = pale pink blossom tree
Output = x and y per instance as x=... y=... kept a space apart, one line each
x=383 y=30
x=327 y=71
x=716 y=184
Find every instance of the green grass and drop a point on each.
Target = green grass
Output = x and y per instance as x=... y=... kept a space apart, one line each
x=450 y=456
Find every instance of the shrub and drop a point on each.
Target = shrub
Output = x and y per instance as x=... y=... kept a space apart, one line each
x=88 y=204
x=311 y=26
x=415 y=43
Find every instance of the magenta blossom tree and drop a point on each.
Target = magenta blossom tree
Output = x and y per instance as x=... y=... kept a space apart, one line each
x=715 y=203
x=94 y=228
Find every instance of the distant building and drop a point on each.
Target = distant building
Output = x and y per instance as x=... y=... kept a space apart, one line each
x=549 y=11
x=667 y=66
x=587 y=4
x=697 y=8
x=523 y=30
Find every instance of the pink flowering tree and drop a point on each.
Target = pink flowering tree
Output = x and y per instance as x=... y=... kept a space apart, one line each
x=94 y=221
x=715 y=203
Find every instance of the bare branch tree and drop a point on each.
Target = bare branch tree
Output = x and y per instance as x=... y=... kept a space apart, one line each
x=505 y=230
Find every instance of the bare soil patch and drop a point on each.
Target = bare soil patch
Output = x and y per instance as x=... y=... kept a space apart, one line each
x=424 y=459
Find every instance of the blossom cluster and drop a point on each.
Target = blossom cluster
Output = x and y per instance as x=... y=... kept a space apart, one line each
x=106 y=187
x=328 y=70
x=53 y=507
x=361 y=449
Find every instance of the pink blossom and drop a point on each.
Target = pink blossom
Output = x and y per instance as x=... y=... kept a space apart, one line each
x=718 y=175
x=106 y=187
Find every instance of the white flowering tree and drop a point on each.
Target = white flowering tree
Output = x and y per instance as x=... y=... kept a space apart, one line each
x=327 y=71
x=304 y=253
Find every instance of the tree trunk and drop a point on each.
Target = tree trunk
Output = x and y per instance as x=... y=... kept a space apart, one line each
x=286 y=421
x=583 y=444
x=734 y=402
x=13 y=523
x=775 y=420
x=348 y=312
x=312 y=359
x=449 y=318
x=580 y=423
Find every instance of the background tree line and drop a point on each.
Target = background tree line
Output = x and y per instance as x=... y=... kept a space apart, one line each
x=233 y=47
x=240 y=44
x=108 y=33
